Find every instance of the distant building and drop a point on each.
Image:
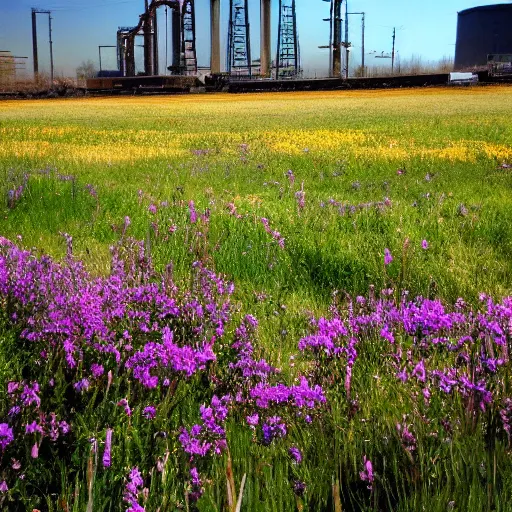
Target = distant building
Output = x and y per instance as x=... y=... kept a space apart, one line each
x=482 y=31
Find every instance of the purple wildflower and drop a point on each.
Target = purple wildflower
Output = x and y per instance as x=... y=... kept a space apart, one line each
x=149 y=412
x=295 y=454
x=97 y=370
x=124 y=403
x=196 y=484
x=253 y=420
x=388 y=258
x=192 y=212
x=299 y=488
x=274 y=428
x=419 y=372
x=366 y=474
x=32 y=428
x=81 y=385
x=6 y=435
x=406 y=436
x=132 y=491
x=424 y=245
x=107 y=459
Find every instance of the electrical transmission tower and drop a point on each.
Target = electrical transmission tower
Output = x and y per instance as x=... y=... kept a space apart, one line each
x=239 y=45
x=288 y=55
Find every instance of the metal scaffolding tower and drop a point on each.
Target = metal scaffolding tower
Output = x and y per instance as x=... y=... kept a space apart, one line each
x=125 y=51
x=288 y=56
x=189 y=40
x=239 y=45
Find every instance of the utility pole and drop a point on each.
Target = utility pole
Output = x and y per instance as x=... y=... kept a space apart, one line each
x=393 y=51
x=362 y=42
x=34 y=40
x=34 y=43
x=51 y=44
x=336 y=39
x=346 y=39
x=362 y=46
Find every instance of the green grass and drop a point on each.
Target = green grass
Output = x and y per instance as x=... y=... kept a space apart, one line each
x=221 y=149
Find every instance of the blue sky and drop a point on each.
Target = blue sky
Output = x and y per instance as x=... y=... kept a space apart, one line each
x=424 y=28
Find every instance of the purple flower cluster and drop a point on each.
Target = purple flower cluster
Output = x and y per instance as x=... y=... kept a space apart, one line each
x=407 y=438
x=94 y=322
x=349 y=209
x=302 y=396
x=6 y=435
x=167 y=357
x=209 y=436
x=457 y=353
x=366 y=474
x=132 y=491
x=275 y=234
x=300 y=196
x=295 y=454
x=273 y=428
x=245 y=366
x=14 y=195
x=196 y=485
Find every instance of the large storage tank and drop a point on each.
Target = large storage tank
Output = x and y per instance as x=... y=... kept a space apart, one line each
x=481 y=31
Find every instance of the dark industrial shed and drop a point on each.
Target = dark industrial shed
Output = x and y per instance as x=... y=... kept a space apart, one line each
x=482 y=31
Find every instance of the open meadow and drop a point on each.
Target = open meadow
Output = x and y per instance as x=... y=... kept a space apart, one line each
x=298 y=300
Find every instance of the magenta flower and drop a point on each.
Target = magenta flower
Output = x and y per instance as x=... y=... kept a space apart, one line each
x=32 y=428
x=424 y=245
x=124 y=403
x=149 y=412
x=419 y=372
x=367 y=474
x=253 y=420
x=6 y=435
x=387 y=257
x=3 y=486
x=97 y=370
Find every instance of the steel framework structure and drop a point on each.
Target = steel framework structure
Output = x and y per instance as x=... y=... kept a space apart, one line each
x=239 y=44
x=184 y=58
x=288 y=53
x=188 y=31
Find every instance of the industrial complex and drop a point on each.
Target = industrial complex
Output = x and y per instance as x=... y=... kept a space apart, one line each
x=484 y=45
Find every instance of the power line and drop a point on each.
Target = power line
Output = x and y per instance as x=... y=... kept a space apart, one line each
x=68 y=8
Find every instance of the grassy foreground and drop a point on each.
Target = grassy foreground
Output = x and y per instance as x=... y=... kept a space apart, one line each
x=339 y=178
